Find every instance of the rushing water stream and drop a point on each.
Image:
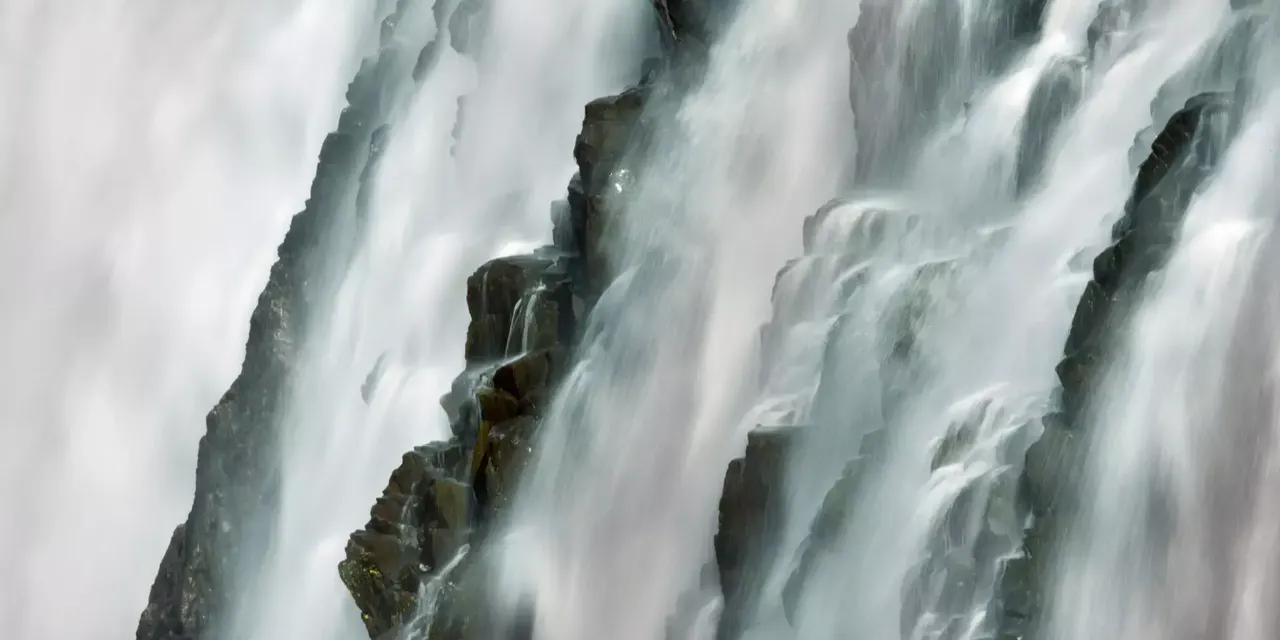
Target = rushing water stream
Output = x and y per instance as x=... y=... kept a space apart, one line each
x=152 y=154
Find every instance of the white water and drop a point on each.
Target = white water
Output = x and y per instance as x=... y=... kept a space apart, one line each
x=1178 y=537
x=153 y=154
x=633 y=449
x=150 y=159
x=617 y=520
x=433 y=218
x=993 y=349
x=622 y=483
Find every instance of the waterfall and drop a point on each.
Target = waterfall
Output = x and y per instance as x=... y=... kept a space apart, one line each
x=1176 y=537
x=474 y=148
x=930 y=510
x=887 y=319
x=632 y=452
x=155 y=150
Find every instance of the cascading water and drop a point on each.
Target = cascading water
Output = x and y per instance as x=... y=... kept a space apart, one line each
x=898 y=386
x=759 y=142
x=1177 y=537
x=921 y=528
x=428 y=208
x=437 y=207
x=998 y=319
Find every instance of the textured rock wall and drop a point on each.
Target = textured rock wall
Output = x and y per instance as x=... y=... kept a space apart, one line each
x=237 y=469
x=406 y=569
x=526 y=313
x=1181 y=157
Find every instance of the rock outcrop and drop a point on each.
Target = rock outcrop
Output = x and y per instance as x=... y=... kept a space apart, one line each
x=237 y=476
x=871 y=314
x=1181 y=157
x=688 y=27
x=421 y=564
x=752 y=512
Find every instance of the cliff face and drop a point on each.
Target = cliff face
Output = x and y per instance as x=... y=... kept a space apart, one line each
x=1183 y=155
x=420 y=564
x=237 y=474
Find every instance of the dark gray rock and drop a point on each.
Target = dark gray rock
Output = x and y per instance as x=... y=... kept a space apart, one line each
x=1184 y=153
x=237 y=476
x=751 y=513
x=1055 y=96
x=518 y=303
x=417 y=526
x=689 y=26
x=526 y=314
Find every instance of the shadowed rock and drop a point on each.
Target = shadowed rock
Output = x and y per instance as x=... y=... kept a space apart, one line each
x=237 y=475
x=526 y=313
x=751 y=513
x=1181 y=157
x=832 y=519
x=1054 y=97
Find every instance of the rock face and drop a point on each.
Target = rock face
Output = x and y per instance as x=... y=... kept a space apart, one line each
x=1181 y=157
x=420 y=564
x=903 y=74
x=751 y=513
x=832 y=518
x=237 y=475
x=688 y=26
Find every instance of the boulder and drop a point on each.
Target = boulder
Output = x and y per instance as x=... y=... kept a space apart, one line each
x=518 y=303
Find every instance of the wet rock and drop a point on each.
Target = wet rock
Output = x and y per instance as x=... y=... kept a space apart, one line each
x=526 y=315
x=689 y=26
x=467 y=25
x=237 y=475
x=518 y=303
x=519 y=386
x=850 y=227
x=832 y=518
x=975 y=525
x=530 y=377
x=750 y=515
x=908 y=311
x=1055 y=96
x=948 y=449
x=1181 y=157
x=1188 y=148
x=496 y=405
x=611 y=130
x=1025 y=18
x=418 y=524
x=504 y=453
x=464 y=608
x=526 y=312
x=372 y=379
x=1051 y=468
